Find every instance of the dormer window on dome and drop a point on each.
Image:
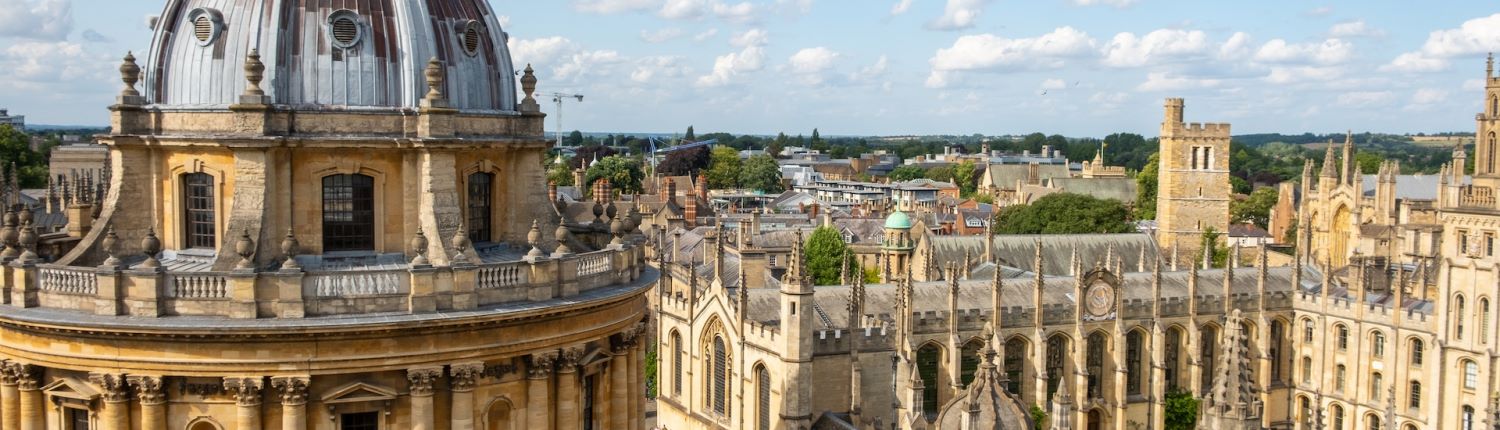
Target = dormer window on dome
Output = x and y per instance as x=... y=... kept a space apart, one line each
x=344 y=29
x=471 y=33
x=207 y=25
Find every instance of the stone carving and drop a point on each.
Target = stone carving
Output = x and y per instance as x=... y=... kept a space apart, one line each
x=462 y=376
x=28 y=241
x=246 y=390
x=461 y=244
x=534 y=238
x=617 y=228
x=245 y=248
x=419 y=246
x=434 y=74
x=541 y=364
x=10 y=236
x=150 y=246
x=27 y=377
x=568 y=361
x=150 y=389
x=289 y=248
x=293 y=389
x=528 y=86
x=130 y=73
x=255 y=71
x=113 y=387
x=562 y=240
x=110 y=246
x=420 y=380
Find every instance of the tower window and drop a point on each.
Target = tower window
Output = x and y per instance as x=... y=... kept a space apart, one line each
x=198 y=210
x=481 y=189
x=1471 y=374
x=1096 y=366
x=348 y=213
x=1414 y=400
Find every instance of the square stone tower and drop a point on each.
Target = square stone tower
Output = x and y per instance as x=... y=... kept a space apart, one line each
x=1193 y=183
x=1486 y=173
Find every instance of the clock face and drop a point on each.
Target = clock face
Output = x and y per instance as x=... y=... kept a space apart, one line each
x=1099 y=300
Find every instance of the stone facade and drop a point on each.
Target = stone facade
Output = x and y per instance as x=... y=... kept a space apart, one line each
x=1193 y=190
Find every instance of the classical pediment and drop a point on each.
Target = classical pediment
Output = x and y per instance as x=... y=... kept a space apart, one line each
x=358 y=392
x=71 y=388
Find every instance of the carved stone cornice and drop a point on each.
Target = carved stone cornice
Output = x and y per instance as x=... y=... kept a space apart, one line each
x=245 y=389
x=420 y=380
x=463 y=376
x=292 y=389
x=568 y=361
x=113 y=387
x=540 y=364
x=149 y=389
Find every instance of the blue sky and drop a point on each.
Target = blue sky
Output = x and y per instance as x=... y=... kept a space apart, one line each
x=888 y=67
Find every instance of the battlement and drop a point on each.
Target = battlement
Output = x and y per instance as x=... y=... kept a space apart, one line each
x=836 y=341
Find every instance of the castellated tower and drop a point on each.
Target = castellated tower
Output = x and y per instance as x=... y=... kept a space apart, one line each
x=1485 y=168
x=1193 y=183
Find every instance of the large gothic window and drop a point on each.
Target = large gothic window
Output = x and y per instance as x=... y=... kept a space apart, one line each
x=1133 y=363
x=677 y=354
x=969 y=362
x=348 y=213
x=1057 y=349
x=198 y=210
x=1278 y=332
x=1096 y=365
x=763 y=398
x=1207 y=342
x=719 y=390
x=481 y=202
x=1015 y=360
x=1172 y=356
x=928 y=358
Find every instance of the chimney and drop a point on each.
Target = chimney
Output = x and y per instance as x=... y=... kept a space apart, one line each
x=702 y=187
x=1033 y=173
x=690 y=211
x=551 y=191
x=669 y=191
x=755 y=222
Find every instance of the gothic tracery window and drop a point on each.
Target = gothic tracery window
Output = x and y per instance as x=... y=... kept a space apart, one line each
x=1207 y=344
x=1015 y=356
x=928 y=358
x=1056 y=349
x=1133 y=352
x=1172 y=356
x=1096 y=365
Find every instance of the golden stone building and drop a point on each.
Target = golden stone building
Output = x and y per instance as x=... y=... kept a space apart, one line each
x=1193 y=189
x=325 y=218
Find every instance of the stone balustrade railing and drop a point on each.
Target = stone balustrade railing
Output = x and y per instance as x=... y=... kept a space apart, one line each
x=298 y=294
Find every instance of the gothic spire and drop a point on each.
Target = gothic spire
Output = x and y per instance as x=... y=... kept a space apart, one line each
x=1351 y=169
x=1329 y=171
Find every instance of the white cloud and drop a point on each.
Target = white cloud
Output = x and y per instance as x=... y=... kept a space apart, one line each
x=1128 y=50
x=1414 y=62
x=751 y=37
x=1115 y=3
x=682 y=9
x=1161 y=81
x=1473 y=85
x=1330 y=51
x=706 y=34
x=655 y=69
x=728 y=66
x=871 y=72
x=991 y=52
x=1053 y=84
x=1107 y=101
x=614 y=6
x=561 y=59
x=662 y=35
x=958 y=15
x=59 y=66
x=1474 y=36
x=1236 y=48
x=1303 y=74
x=742 y=12
x=812 y=60
x=1320 y=11
x=901 y=7
x=36 y=19
x=1357 y=28
x=1365 y=98
x=1427 y=96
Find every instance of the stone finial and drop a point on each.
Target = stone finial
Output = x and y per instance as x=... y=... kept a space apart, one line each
x=528 y=86
x=110 y=246
x=435 y=75
x=254 y=72
x=245 y=248
x=461 y=244
x=534 y=238
x=9 y=235
x=289 y=249
x=150 y=246
x=130 y=73
x=610 y=210
x=419 y=246
x=617 y=228
x=28 y=242
x=562 y=240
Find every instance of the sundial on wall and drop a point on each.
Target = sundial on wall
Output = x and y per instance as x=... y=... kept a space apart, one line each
x=1099 y=301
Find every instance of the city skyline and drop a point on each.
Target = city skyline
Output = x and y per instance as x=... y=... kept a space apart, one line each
x=1072 y=67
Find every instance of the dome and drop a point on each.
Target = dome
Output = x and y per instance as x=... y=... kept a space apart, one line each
x=898 y=220
x=367 y=54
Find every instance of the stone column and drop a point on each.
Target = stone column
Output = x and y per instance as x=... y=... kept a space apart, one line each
x=567 y=389
x=637 y=387
x=33 y=408
x=115 y=393
x=293 y=391
x=420 y=381
x=10 y=399
x=619 y=381
x=246 y=391
x=153 y=399
x=461 y=379
x=538 y=390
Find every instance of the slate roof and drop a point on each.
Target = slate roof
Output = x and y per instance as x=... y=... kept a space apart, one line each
x=1122 y=189
x=1019 y=251
x=1006 y=175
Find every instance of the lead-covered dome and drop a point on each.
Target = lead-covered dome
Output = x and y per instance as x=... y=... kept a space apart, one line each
x=351 y=55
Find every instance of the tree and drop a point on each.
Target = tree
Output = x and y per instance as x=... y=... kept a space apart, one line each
x=574 y=139
x=690 y=136
x=623 y=174
x=941 y=173
x=816 y=138
x=907 y=173
x=966 y=175
x=650 y=370
x=560 y=174
x=1064 y=213
x=723 y=168
x=1038 y=416
x=825 y=255
x=1145 y=189
x=774 y=148
x=684 y=162
x=1256 y=209
x=15 y=150
x=1180 y=411
x=585 y=155
x=760 y=173
x=1219 y=254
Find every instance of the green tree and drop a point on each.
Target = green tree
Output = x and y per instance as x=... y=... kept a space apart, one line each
x=1219 y=253
x=560 y=174
x=1368 y=161
x=1038 y=416
x=907 y=173
x=760 y=173
x=623 y=174
x=817 y=139
x=941 y=173
x=1145 y=189
x=723 y=168
x=967 y=177
x=651 y=370
x=774 y=148
x=690 y=136
x=825 y=253
x=1256 y=209
x=1064 y=213
x=574 y=139
x=1180 y=411
x=15 y=150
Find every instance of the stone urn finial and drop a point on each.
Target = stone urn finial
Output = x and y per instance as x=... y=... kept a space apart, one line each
x=617 y=228
x=534 y=238
x=434 y=75
x=28 y=242
x=528 y=85
x=635 y=218
x=130 y=73
x=150 y=246
x=290 y=248
x=255 y=71
x=598 y=213
x=10 y=236
x=609 y=209
x=419 y=246
x=245 y=248
x=25 y=215
x=461 y=244
x=111 y=247
x=562 y=240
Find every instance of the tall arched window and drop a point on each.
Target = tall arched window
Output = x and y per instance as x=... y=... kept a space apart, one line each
x=1278 y=332
x=1338 y=377
x=1342 y=333
x=1484 y=320
x=928 y=358
x=1409 y=427
x=498 y=416
x=348 y=213
x=1015 y=360
x=969 y=362
x=1471 y=374
x=1307 y=331
x=1306 y=370
x=1207 y=344
x=481 y=203
x=1377 y=345
x=1416 y=352
x=719 y=392
x=1414 y=397
x=762 y=398
x=1458 y=317
x=1172 y=357
x=1095 y=361
x=1338 y=416
x=1375 y=384
x=677 y=353
x=1304 y=411
x=1133 y=363
x=198 y=206
x=1494 y=108
x=1057 y=348
x=1466 y=418
x=1373 y=420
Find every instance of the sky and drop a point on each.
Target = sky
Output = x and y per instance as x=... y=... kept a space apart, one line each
x=895 y=67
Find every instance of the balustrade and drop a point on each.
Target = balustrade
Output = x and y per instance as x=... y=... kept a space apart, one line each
x=198 y=286
x=68 y=281
x=356 y=284
x=502 y=275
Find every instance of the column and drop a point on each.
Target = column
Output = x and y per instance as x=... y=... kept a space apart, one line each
x=115 y=415
x=619 y=400
x=637 y=387
x=461 y=379
x=419 y=383
x=33 y=408
x=567 y=388
x=293 y=392
x=246 y=391
x=538 y=381
x=149 y=390
x=10 y=399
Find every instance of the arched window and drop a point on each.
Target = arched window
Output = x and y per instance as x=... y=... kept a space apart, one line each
x=1133 y=363
x=1374 y=421
x=1377 y=345
x=1343 y=336
x=1375 y=384
x=1494 y=110
x=481 y=203
x=1338 y=377
x=762 y=398
x=1096 y=365
x=198 y=207
x=1207 y=344
x=1173 y=357
x=1458 y=317
x=1057 y=348
x=1416 y=352
x=1484 y=320
x=1338 y=416
x=1466 y=418
x=928 y=358
x=1015 y=360
x=969 y=362
x=1471 y=374
x=1409 y=427
x=1278 y=331
x=1306 y=370
x=677 y=353
x=1414 y=397
x=1307 y=331
x=1304 y=411
x=348 y=213
x=719 y=392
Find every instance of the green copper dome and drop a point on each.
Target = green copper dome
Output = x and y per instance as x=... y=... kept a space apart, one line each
x=898 y=220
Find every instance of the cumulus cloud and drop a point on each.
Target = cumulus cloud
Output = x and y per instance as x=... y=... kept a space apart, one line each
x=683 y=9
x=1413 y=62
x=810 y=63
x=706 y=34
x=996 y=53
x=958 y=15
x=36 y=19
x=751 y=37
x=1162 y=81
x=871 y=72
x=614 y=6
x=653 y=69
x=1475 y=36
x=1319 y=12
x=96 y=37
x=1128 y=50
x=1053 y=84
x=563 y=60
x=1330 y=51
x=1357 y=28
x=35 y=65
x=1303 y=74
x=742 y=12
x=901 y=7
x=1362 y=99
x=1115 y=3
x=1237 y=47
x=731 y=65
x=662 y=35
x=1427 y=96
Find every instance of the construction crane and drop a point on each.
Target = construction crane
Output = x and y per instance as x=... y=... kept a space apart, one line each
x=558 y=98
